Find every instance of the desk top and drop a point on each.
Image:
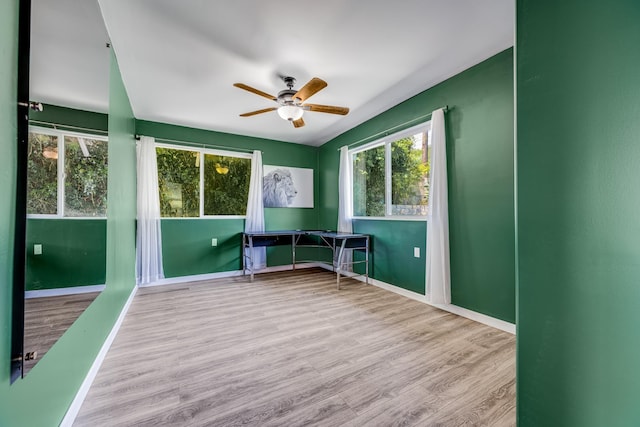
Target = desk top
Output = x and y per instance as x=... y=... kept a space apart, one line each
x=323 y=233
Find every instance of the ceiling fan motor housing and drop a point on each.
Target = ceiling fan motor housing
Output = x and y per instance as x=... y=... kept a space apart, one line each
x=285 y=97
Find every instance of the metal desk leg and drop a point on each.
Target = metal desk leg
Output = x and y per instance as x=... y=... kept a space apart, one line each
x=340 y=255
x=334 y=260
x=366 y=260
x=251 y=265
x=293 y=251
x=244 y=254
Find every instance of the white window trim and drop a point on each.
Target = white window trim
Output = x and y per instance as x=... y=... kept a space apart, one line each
x=201 y=152
x=182 y=218
x=386 y=141
x=60 y=134
x=391 y=218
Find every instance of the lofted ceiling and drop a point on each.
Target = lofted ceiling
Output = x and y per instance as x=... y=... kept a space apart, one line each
x=180 y=59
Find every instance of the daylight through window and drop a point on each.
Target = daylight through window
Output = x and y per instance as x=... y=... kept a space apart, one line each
x=66 y=174
x=195 y=183
x=391 y=176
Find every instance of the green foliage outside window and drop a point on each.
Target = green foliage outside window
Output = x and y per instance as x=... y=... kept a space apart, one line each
x=409 y=178
x=179 y=182
x=369 y=182
x=85 y=175
x=85 y=185
x=226 y=185
x=42 y=174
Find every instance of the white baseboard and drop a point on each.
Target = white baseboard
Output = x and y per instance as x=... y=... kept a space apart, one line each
x=460 y=311
x=63 y=291
x=75 y=406
x=478 y=317
x=224 y=274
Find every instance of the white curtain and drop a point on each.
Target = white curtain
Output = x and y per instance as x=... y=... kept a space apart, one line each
x=148 y=234
x=438 y=282
x=255 y=210
x=345 y=205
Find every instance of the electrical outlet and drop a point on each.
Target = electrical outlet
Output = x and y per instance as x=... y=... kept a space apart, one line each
x=37 y=249
x=416 y=252
x=214 y=242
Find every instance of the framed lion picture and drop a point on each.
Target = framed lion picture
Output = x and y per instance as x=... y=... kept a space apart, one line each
x=287 y=187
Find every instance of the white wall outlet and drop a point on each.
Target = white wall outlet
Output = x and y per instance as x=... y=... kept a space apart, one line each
x=416 y=252
x=37 y=249
x=214 y=242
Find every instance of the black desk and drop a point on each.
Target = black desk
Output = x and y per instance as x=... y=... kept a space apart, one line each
x=336 y=241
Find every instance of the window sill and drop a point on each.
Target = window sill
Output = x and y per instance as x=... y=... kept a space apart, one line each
x=390 y=218
x=204 y=217
x=35 y=216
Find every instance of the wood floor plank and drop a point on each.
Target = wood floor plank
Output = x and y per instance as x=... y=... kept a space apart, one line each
x=412 y=408
x=290 y=350
x=46 y=319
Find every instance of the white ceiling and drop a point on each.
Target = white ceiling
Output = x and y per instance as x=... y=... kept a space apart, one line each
x=179 y=59
x=69 y=59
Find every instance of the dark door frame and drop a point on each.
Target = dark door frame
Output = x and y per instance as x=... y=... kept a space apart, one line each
x=19 y=243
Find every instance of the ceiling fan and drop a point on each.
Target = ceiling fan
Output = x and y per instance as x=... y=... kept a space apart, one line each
x=291 y=101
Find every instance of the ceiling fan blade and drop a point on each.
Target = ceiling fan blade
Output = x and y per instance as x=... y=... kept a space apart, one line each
x=312 y=87
x=253 y=113
x=254 y=90
x=331 y=109
x=298 y=123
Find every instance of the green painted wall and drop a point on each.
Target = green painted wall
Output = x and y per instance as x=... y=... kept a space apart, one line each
x=121 y=188
x=578 y=145
x=8 y=159
x=386 y=262
x=54 y=114
x=187 y=246
x=43 y=396
x=186 y=243
x=74 y=250
x=481 y=195
x=73 y=253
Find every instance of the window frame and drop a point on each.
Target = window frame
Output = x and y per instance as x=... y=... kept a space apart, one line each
x=202 y=151
x=387 y=141
x=60 y=191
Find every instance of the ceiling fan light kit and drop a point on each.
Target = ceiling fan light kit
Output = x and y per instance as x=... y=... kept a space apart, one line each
x=291 y=102
x=290 y=112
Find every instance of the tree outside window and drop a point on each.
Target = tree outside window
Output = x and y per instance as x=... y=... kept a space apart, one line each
x=410 y=175
x=81 y=191
x=178 y=182
x=369 y=182
x=85 y=184
x=226 y=185
x=224 y=189
x=42 y=174
x=391 y=177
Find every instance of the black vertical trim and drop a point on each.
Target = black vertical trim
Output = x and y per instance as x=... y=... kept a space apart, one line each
x=19 y=243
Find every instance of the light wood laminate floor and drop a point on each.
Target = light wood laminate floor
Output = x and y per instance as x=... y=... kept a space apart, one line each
x=46 y=319
x=291 y=350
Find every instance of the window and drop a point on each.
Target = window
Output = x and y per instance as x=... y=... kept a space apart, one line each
x=196 y=183
x=66 y=174
x=391 y=176
x=178 y=182
x=369 y=182
x=226 y=185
